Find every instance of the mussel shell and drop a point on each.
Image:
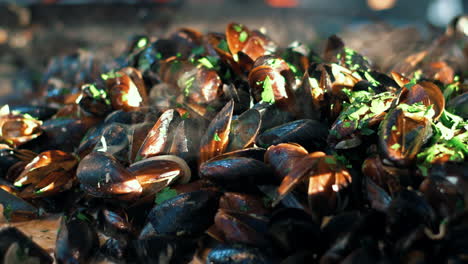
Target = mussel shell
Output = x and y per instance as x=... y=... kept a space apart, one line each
x=64 y=134
x=176 y=215
x=283 y=157
x=401 y=145
x=113 y=223
x=289 y=227
x=127 y=90
x=310 y=134
x=442 y=195
x=236 y=173
x=459 y=105
x=216 y=138
x=164 y=249
x=38 y=112
x=15 y=208
x=407 y=211
x=115 y=250
x=100 y=175
x=43 y=164
x=241 y=202
x=155 y=173
x=237 y=254
x=76 y=241
x=244 y=228
x=159 y=138
x=244 y=129
x=125 y=117
x=32 y=252
x=115 y=141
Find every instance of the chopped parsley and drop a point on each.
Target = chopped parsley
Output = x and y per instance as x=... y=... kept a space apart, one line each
x=208 y=61
x=268 y=95
x=223 y=45
x=7 y=212
x=110 y=75
x=243 y=36
x=395 y=146
x=237 y=27
x=198 y=51
x=188 y=85
x=410 y=84
x=164 y=195
x=216 y=137
x=186 y=115
x=83 y=217
x=142 y=43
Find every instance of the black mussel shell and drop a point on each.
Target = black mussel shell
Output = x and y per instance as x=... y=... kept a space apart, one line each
x=310 y=134
x=187 y=214
x=77 y=239
x=163 y=249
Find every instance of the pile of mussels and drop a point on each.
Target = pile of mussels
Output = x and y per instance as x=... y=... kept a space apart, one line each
x=225 y=148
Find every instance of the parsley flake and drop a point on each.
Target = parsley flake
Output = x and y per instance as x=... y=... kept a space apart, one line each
x=268 y=95
x=164 y=195
x=395 y=146
x=216 y=137
x=243 y=36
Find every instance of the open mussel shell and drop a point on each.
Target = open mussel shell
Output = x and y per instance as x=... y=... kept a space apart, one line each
x=402 y=134
x=19 y=129
x=251 y=43
x=77 y=239
x=200 y=85
x=216 y=138
x=17 y=247
x=44 y=164
x=427 y=93
x=244 y=129
x=271 y=85
x=127 y=89
x=310 y=134
x=100 y=175
x=176 y=215
x=157 y=172
x=159 y=138
x=115 y=141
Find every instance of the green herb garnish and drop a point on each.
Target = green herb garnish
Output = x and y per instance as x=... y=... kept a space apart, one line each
x=142 y=43
x=395 y=146
x=83 y=217
x=216 y=137
x=243 y=36
x=223 y=45
x=268 y=95
x=164 y=195
x=206 y=62
x=237 y=27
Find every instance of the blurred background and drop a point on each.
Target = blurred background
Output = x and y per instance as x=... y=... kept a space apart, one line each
x=33 y=31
